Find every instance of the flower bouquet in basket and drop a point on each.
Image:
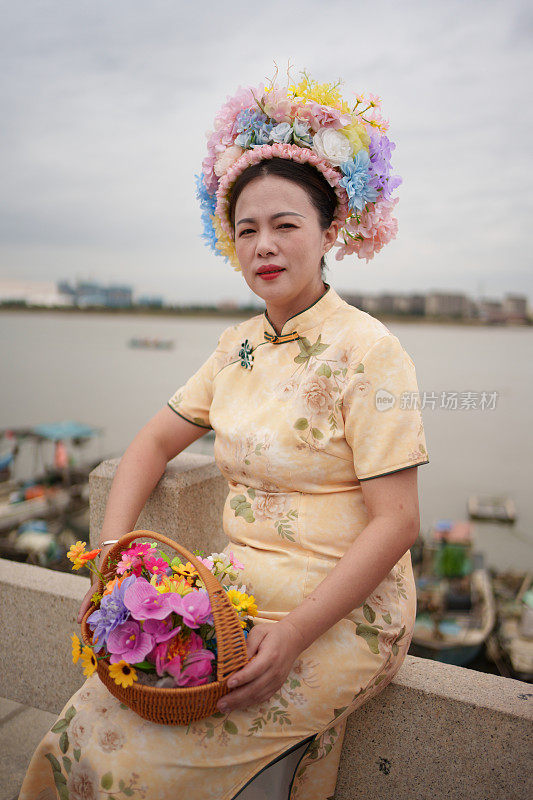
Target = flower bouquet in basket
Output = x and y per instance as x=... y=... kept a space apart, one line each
x=165 y=631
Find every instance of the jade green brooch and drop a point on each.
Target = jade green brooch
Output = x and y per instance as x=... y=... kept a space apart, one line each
x=245 y=354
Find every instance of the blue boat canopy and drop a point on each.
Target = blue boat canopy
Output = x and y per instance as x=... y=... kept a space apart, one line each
x=69 y=429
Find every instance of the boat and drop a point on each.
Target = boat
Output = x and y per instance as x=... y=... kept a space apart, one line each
x=455 y=602
x=37 y=511
x=511 y=646
x=154 y=344
x=491 y=507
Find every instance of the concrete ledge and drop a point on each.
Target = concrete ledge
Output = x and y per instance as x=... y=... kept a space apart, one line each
x=39 y=610
x=435 y=732
x=440 y=732
x=186 y=504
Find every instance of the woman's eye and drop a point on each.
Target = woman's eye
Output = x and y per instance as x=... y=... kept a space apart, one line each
x=246 y=230
x=287 y=225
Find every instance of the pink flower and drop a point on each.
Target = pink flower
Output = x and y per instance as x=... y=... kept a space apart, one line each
x=161 y=631
x=187 y=652
x=157 y=566
x=129 y=563
x=237 y=564
x=129 y=642
x=197 y=668
x=376 y=228
x=319 y=116
x=195 y=607
x=140 y=549
x=207 y=562
x=145 y=602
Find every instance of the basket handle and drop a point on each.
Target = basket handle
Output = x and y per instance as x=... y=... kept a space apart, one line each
x=127 y=538
x=226 y=663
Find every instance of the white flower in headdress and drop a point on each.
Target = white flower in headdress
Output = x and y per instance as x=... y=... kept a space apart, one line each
x=333 y=146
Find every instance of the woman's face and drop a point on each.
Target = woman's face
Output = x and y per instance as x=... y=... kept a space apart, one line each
x=278 y=234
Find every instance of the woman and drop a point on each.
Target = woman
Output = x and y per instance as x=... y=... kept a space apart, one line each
x=320 y=449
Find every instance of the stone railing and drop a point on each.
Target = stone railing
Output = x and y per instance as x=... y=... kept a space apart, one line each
x=436 y=732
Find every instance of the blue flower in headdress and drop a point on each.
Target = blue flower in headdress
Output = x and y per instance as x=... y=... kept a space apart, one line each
x=253 y=128
x=357 y=181
x=207 y=205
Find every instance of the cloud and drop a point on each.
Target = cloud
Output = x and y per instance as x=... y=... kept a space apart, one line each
x=105 y=106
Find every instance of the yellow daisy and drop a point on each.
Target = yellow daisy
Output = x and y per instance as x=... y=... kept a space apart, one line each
x=122 y=673
x=88 y=659
x=187 y=570
x=76 y=648
x=249 y=605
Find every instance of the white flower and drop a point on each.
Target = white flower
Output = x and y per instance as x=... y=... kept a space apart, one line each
x=80 y=729
x=82 y=783
x=282 y=133
x=269 y=506
x=333 y=146
x=317 y=394
x=227 y=159
x=286 y=389
x=111 y=737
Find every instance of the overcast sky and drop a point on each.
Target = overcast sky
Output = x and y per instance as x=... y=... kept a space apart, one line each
x=105 y=105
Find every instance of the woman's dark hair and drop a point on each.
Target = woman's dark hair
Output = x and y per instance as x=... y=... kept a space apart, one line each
x=321 y=194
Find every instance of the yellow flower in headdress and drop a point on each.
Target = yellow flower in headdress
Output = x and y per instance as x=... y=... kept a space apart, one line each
x=225 y=244
x=357 y=136
x=327 y=94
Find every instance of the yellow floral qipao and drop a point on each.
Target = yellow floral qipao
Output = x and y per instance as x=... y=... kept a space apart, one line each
x=301 y=419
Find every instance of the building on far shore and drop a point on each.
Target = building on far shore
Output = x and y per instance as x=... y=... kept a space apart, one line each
x=449 y=304
x=513 y=309
x=33 y=293
x=90 y=293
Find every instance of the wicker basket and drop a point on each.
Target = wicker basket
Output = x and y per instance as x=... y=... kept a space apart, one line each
x=181 y=705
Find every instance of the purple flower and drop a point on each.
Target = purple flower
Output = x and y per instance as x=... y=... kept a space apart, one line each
x=195 y=607
x=145 y=602
x=160 y=631
x=380 y=166
x=112 y=612
x=129 y=642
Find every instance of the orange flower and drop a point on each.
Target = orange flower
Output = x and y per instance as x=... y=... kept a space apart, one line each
x=111 y=585
x=84 y=557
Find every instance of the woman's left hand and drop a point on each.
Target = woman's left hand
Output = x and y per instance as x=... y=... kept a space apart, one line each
x=274 y=648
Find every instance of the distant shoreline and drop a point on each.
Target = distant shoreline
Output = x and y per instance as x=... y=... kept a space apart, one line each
x=245 y=313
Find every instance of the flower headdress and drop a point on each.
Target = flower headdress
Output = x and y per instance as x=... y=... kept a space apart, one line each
x=310 y=123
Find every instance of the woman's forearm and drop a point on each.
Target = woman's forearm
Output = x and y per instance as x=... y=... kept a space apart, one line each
x=138 y=472
x=360 y=570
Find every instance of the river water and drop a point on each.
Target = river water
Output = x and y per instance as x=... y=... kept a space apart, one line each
x=58 y=366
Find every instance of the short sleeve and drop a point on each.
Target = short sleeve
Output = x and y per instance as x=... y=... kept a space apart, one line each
x=192 y=401
x=381 y=410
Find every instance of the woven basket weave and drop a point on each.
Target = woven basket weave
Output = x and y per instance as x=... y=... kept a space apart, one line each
x=180 y=705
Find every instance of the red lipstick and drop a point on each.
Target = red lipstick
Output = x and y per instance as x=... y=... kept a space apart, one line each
x=269 y=271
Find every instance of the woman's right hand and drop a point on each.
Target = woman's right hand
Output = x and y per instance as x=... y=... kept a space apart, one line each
x=86 y=602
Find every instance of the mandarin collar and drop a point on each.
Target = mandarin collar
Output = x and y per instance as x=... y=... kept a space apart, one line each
x=310 y=317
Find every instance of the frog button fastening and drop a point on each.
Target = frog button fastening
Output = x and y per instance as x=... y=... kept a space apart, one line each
x=245 y=354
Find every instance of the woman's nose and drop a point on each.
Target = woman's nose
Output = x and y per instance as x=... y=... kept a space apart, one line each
x=265 y=243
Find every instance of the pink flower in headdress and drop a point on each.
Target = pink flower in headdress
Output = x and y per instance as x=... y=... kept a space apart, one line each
x=226 y=159
x=376 y=228
x=224 y=134
x=278 y=106
x=320 y=116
